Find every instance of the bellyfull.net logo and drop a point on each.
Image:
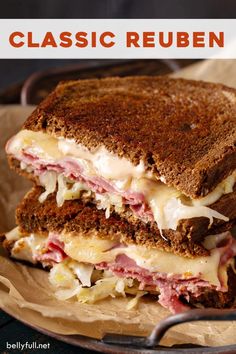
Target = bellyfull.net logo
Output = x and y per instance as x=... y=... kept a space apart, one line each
x=27 y=345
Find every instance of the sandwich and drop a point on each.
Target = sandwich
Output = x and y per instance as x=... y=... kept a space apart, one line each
x=91 y=257
x=154 y=161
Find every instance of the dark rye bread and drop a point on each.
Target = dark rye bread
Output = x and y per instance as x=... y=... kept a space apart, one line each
x=194 y=229
x=183 y=130
x=80 y=216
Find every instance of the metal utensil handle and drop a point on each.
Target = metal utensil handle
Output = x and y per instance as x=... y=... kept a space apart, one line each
x=162 y=327
x=189 y=316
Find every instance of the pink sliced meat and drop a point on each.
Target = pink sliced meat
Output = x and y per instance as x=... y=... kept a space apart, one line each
x=134 y=198
x=101 y=182
x=170 y=286
x=229 y=250
x=55 y=250
x=99 y=185
x=170 y=300
x=72 y=169
x=29 y=158
x=142 y=211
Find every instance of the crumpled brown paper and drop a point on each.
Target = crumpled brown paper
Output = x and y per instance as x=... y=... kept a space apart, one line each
x=26 y=293
x=214 y=70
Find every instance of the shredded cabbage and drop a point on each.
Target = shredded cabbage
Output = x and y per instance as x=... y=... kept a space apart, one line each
x=103 y=288
x=62 y=276
x=71 y=278
x=120 y=287
x=133 y=303
x=62 y=189
x=49 y=181
x=106 y=200
x=67 y=189
x=75 y=191
x=168 y=205
x=174 y=211
x=83 y=272
x=168 y=208
x=66 y=294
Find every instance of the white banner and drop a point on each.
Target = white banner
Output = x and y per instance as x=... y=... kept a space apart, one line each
x=117 y=38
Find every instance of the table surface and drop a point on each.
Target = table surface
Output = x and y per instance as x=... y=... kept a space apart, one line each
x=11 y=330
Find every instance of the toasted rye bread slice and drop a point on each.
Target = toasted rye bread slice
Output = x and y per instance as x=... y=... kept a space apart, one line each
x=183 y=130
x=194 y=229
x=81 y=216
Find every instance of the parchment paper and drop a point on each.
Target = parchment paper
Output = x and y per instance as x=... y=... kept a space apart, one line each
x=26 y=293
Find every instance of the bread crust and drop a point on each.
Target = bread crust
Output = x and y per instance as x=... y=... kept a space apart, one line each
x=183 y=130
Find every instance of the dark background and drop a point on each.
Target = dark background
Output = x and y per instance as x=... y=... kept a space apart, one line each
x=118 y=9
x=13 y=71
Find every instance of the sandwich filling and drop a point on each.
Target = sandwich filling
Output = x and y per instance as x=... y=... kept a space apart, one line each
x=91 y=268
x=70 y=168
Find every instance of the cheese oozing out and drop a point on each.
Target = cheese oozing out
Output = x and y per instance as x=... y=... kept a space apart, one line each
x=94 y=250
x=167 y=204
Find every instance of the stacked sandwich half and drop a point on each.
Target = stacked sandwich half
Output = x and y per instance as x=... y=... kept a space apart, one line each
x=134 y=191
